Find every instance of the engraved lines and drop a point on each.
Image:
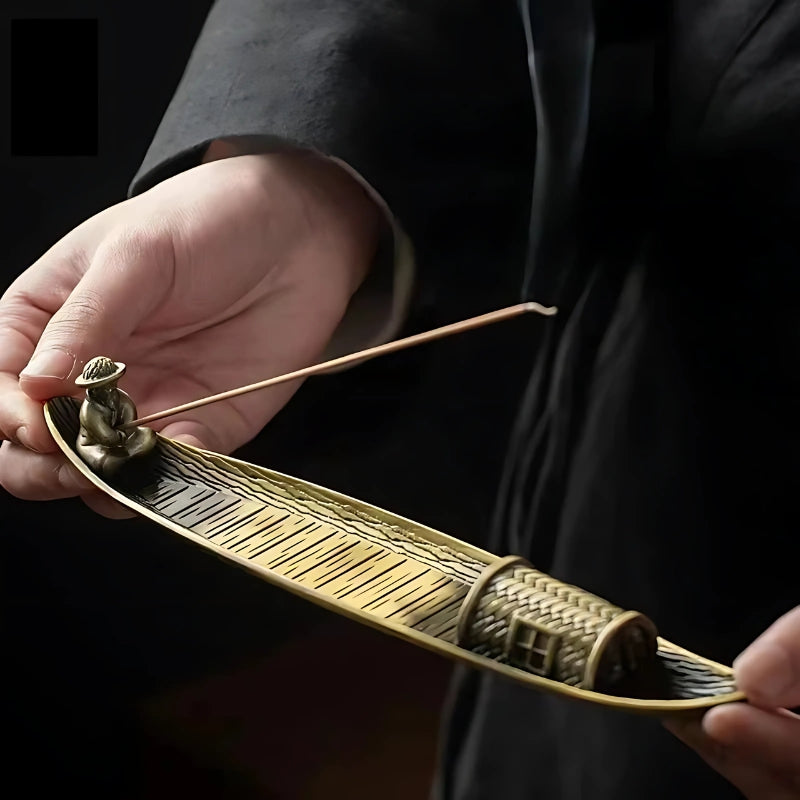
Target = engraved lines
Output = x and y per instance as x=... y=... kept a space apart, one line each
x=690 y=679
x=362 y=557
x=185 y=464
x=314 y=541
x=316 y=554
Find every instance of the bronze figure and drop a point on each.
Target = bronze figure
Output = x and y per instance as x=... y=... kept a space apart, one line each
x=100 y=442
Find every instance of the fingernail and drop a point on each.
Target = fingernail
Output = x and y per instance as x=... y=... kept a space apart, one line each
x=51 y=363
x=765 y=672
x=72 y=480
x=23 y=436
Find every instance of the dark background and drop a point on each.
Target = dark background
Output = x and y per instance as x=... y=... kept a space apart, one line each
x=137 y=665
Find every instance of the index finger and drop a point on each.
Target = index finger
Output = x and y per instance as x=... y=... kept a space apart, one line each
x=21 y=418
x=25 y=310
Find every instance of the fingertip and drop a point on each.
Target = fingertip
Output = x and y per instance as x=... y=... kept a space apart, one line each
x=41 y=388
x=187 y=438
x=72 y=480
x=22 y=436
x=764 y=672
x=723 y=722
x=49 y=363
x=36 y=438
x=189 y=432
x=22 y=419
x=106 y=506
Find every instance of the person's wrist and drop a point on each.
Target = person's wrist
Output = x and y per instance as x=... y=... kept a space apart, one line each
x=342 y=215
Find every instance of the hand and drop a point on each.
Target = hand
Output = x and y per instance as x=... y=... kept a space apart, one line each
x=756 y=746
x=226 y=274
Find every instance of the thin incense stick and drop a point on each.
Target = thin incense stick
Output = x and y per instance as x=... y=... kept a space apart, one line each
x=362 y=355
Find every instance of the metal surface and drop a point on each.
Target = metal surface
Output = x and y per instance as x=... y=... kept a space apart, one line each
x=526 y=618
x=395 y=575
x=100 y=442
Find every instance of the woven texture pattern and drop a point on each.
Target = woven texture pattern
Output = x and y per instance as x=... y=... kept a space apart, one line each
x=576 y=616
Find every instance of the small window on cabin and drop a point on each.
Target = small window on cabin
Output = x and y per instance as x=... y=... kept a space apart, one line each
x=532 y=646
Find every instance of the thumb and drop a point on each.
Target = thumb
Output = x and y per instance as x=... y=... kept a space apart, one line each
x=128 y=277
x=768 y=671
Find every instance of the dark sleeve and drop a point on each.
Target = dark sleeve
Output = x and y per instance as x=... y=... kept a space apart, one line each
x=384 y=85
x=414 y=95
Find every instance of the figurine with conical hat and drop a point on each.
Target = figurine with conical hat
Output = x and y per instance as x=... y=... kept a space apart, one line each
x=100 y=443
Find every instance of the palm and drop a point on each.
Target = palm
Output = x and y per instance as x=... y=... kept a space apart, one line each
x=225 y=275
x=229 y=314
x=170 y=363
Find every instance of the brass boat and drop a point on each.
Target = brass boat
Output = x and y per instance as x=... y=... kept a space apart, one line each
x=430 y=589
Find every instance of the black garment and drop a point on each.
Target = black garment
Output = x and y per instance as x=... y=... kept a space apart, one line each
x=652 y=459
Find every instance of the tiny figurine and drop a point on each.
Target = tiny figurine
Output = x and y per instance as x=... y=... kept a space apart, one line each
x=104 y=447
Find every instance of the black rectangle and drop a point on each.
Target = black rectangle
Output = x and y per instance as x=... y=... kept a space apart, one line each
x=54 y=97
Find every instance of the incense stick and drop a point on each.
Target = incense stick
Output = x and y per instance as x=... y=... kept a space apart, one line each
x=362 y=355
